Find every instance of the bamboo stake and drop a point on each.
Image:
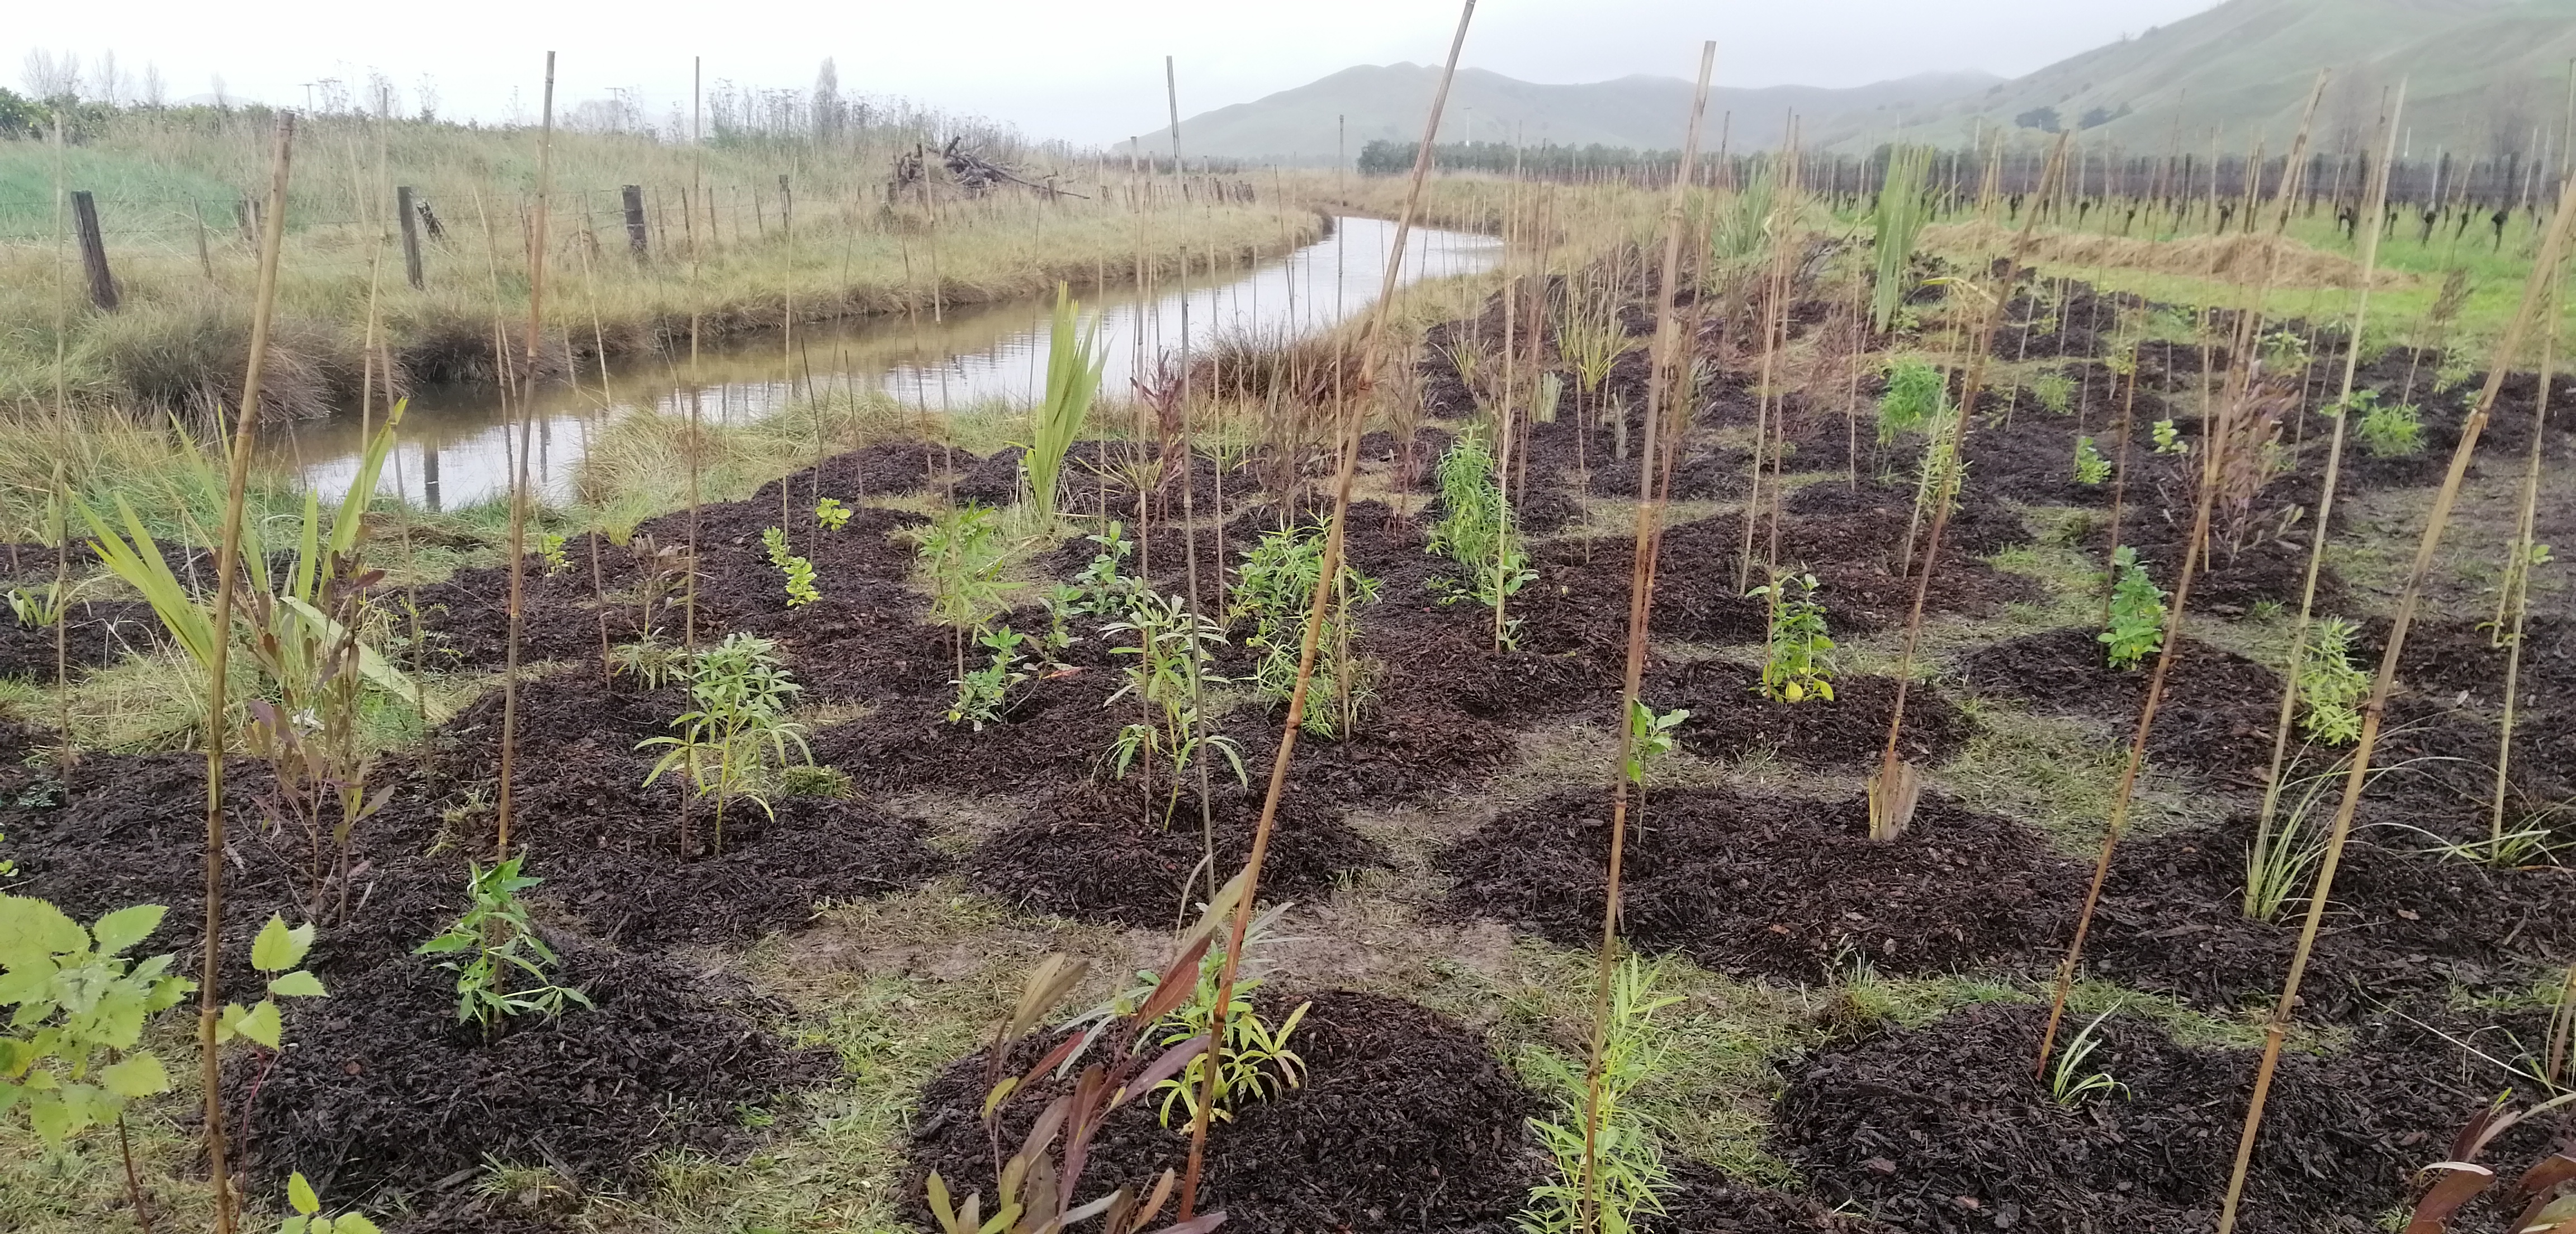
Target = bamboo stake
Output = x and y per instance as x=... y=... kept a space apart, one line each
x=1650 y=498
x=2518 y=587
x=227 y=562
x=519 y=468
x=2543 y=274
x=1372 y=341
x=2216 y=431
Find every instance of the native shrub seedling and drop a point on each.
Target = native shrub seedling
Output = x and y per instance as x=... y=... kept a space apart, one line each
x=71 y=1054
x=963 y=552
x=799 y=571
x=2091 y=469
x=308 y=1218
x=830 y=514
x=1476 y=532
x=505 y=947
x=1628 y=1179
x=1917 y=393
x=2137 y=612
x=1274 y=587
x=2388 y=430
x=982 y=692
x=550 y=552
x=2168 y=439
x=1171 y=649
x=1799 y=659
x=2329 y=685
x=739 y=730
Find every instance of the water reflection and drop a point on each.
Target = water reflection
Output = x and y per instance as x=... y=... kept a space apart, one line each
x=454 y=450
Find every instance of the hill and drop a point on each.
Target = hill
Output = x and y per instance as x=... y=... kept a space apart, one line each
x=2484 y=77
x=1388 y=102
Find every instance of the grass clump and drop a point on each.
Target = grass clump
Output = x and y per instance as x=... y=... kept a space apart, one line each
x=1917 y=393
x=1476 y=531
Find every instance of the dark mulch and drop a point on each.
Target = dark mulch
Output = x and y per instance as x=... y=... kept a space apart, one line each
x=1406 y=1122
x=1102 y=852
x=2217 y=715
x=382 y=1087
x=1731 y=716
x=2447 y=660
x=1944 y=1128
x=887 y=469
x=1775 y=886
x=96 y=633
x=465 y=618
x=1704 y=1201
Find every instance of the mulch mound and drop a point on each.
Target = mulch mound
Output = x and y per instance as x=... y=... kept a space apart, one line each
x=1406 y=1121
x=1774 y=886
x=2216 y=717
x=1705 y=1201
x=1092 y=852
x=1731 y=716
x=96 y=633
x=1944 y=1128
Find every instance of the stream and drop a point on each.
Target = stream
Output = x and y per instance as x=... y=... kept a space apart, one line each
x=453 y=450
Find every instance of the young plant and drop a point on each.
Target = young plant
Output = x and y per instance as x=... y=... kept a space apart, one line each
x=1903 y=208
x=1258 y=1062
x=2284 y=852
x=830 y=514
x=1798 y=662
x=71 y=1054
x=1476 y=531
x=1628 y=1178
x=2448 y=1185
x=1938 y=478
x=1917 y=395
x=1274 y=587
x=2329 y=685
x=1074 y=363
x=2388 y=430
x=2137 y=612
x=799 y=571
x=2091 y=469
x=308 y=1218
x=505 y=948
x=982 y=692
x=963 y=552
x=37 y=608
x=2068 y=1082
x=550 y=551
x=2168 y=438
x=651 y=660
x=1171 y=649
x=2055 y=392
x=739 y=730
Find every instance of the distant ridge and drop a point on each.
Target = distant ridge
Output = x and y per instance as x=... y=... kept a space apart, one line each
x=1388 y=103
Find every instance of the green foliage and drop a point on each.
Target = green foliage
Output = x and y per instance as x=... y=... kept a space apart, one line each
x=1650 y=737
x=1074 y=363
x=1257 y=1060
x=1171 y=645
x=799 y=571
x=1591 y=338
x=2388 y=430
x=550 y=550
x=1940 y=474
x=963 y=551
x=275 y=952
x=38 y=607
x=308 y=1218
x=2168 y=438
x=739 y=730
x=1744 y=223
x=830 y=514
x=2068 y=1082
x=2329 y=685
x=1275 y=587
x=2055 y=392
x=1904 y=205
x=2137 y=612
x=70 y=1055
x=1798 y=660
x=1629 y=1178
x=982 y=692
x=815 y=780
x=2091 y=469
x=504 y=947
x=2284 y=852
x=1917 y=394
x=1476 y=528
x=651 y=660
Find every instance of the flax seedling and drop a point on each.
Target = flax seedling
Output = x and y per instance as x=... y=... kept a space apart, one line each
x=1628 y=1180
x=1273 y=588
x=1075 y=360
x=738 y=732
x=508 y=971
x=983 y=692
x=830 y=514
x=2330 y=686
x=1476 y=531
x=799 y=571
x=2069 y=1083
x=2168 y=439
x=1903 y=208
x=1591 y=338
x=2137 y=612
x=1798 y=659
x=37 y=608
x=2091 y=469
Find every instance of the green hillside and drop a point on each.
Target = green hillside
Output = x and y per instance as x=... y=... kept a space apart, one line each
x=2483 y=77
x=1388 y=102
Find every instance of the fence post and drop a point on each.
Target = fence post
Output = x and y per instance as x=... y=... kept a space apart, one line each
x=93 y=247
x=786 y=206
x=636 y=236
x=410 y=234
x=205 y=259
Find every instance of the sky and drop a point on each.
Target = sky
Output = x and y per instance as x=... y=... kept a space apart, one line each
x=1087 y=73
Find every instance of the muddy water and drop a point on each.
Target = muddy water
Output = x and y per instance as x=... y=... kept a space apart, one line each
x=455 y=452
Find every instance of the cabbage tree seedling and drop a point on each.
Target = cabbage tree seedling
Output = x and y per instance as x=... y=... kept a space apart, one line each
x=2137 y=612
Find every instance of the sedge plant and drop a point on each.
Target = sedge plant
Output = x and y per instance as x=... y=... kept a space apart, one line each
x=2070 y=1082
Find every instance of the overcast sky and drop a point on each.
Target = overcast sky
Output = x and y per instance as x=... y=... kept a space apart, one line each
x=1085 y=72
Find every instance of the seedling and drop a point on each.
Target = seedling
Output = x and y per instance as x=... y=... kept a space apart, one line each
x=550 y=551
x=1075 y=359
x=1628 y=1178
x=72 y=1053
x=2448 y=1185
x=37 y=608
x=962 y=551
x=2137 y=612
x=2168 y=439
x=1917 y=393
x=2390 y=430
x=651 y=660
x=739 y=730
x=1274 y=587
x=799 y=571
x=2055 y=392
x=2069 y=1082
x=1799 y=660
x=815 y=780
x=308 y=1218
x=2285 y=851
x=505 y=947
x=830 y=514
x=982 y=692
x=1650 y=737
x=2329 y=685
x=2091 y=469
x=1476 y=532
x=1172 y=650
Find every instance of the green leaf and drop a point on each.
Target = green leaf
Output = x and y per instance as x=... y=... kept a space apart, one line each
x=140 y=1075
x=300 y=1194
x=261 y=1024
x=278 y=948
x=353 y=1223
x=32 y=932
x=125 y=927
x=53 y=1118
x=297 y=984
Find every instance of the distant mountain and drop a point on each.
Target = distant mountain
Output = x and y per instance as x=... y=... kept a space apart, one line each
x=2484 y=77
x=1339 y=114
